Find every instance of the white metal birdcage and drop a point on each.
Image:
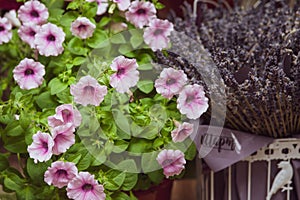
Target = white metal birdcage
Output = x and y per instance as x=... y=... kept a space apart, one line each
x=282 y=151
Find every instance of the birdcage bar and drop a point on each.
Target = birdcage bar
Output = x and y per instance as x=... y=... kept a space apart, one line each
x=249 y=181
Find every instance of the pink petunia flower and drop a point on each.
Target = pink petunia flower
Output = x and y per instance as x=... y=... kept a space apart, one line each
x=12 y=18
x=65 y=114
x=140 y=13
x=102 y=6
x=122 y=4
x=127 y=74
x=41 y=147
x=34 y=12
x=172 y=161
x=63 y=138
x=192 y=101
x=156 y=35
x=182 y=132
x=170 y=82
x=27 y=33
x=83 y=28
x=5 y=30
x=29 y=74
x=60 y=173
x=49 y=40
x=88 y=91
x=85 y=187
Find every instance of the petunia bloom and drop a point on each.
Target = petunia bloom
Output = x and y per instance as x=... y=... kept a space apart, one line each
x=122 y=4
x=5 y=30
x=41 y=147
x=29 y=74
x=12 y=18
x=172 y=162
x=65 y=114
x=60 y=173
x=182 y=132
x=140 y=13
x=63 y=138
x=192 y=101
x=88 y=91
x=83 y=28
x=156 y=35
x=102 y=6
x=34 y=12
x=85 y=187
x=170 y=82
x=126 y=75
x=27 y=33
x=49 y=40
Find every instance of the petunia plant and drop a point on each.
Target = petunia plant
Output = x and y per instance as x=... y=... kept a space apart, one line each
x=85 y=110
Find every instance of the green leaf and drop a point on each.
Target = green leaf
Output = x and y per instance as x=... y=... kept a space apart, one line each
x=98 y=40
x=125 y=49
x=73 y=5
x=146 y=66
x=191 y=152
x=36 y=170
x=13 y=129
x=104 y=21
x=120 y=146
x=3 y=162
x=145 y=86
x=56 y=86
x=15 y=144
x=159 y=6
x=76 y=47
x=120 y=196
x=74 y=158
x=123 y=122
x=139 y=145
x=89 y=10
x=79 y=60
x=85 y=161
x=156 y=176
x=26 y=194
x=136 y=38
x=51 y=4
x=114 y=179
x=24 y=120
x=130 y=181
x=68 y=18
x=118 y=39
x=45 y=100
x=13 y=182
x=149 y=162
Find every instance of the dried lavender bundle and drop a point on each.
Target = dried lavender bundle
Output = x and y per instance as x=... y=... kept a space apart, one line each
x=256 y=49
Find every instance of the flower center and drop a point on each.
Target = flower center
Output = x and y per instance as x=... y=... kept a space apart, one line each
x=2 y=28
x=61 y=172
x=34 y=13
x=51 y=38
x=81 y=26
x=170 y=81
x=32 y=33
x=120 y=71
x=66 y=115
x=141 y=11
x=45 y=146
x=158 y=32
x=189 y=99
x=87 y=187
x=28 y=72
x=89 y=89
x=167 y=162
